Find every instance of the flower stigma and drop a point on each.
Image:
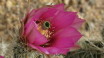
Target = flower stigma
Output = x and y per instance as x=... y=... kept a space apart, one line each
x=43 y=28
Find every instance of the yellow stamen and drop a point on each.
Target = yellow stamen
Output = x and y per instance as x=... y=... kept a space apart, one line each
x=44 y=30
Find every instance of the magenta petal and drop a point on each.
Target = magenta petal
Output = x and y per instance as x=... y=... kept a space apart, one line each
x=37 y=15
x=63 y=41
x=37 y=38
x=39 y=48
x=32 y=13
x=66 y=38
x=77 y=23
x=34 y=36
x=55 y=50
x=63 y=19
x=29 y=28
x=59 y=6
x=50 y=50
x=1 y=56
x=50 y=14
x=29 y=15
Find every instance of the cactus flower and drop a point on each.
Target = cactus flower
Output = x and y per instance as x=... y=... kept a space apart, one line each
x=51 y=29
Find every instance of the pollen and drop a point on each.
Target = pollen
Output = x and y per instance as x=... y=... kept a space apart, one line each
x=43 y=28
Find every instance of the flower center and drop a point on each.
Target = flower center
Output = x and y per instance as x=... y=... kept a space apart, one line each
x=46 y=25
x=43 y=28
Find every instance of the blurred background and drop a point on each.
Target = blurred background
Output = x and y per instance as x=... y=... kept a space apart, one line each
x=92 y=42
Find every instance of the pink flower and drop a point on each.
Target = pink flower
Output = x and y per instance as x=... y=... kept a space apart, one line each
x=1 y=57
x=51 y=30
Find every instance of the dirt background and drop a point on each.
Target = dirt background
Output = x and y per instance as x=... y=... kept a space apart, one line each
x=92 y=42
